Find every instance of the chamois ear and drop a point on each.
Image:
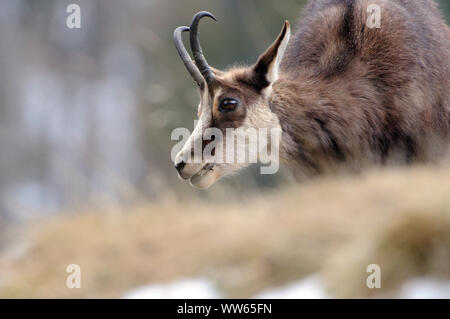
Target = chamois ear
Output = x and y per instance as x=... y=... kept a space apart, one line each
x=267 y=67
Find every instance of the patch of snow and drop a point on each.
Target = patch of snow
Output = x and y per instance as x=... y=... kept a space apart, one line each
x=425 y=288
x=309 y=287
x=195 y=288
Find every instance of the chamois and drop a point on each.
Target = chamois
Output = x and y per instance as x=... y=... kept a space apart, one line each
x=343 y=93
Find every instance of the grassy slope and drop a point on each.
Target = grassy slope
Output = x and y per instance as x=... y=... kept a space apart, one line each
x=399 y=219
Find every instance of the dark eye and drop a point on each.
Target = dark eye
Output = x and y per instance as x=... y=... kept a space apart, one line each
x=228 y=105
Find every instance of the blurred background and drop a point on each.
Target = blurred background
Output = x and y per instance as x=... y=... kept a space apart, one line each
x=86 y=176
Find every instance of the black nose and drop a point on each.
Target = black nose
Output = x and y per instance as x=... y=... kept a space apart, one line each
x=180 y=166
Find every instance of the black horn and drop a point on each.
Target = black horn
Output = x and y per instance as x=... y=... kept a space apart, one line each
x=197 y=52
x=190 y=66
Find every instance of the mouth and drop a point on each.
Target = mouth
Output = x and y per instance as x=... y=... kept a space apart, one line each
x=205 y=169
x=204 y=178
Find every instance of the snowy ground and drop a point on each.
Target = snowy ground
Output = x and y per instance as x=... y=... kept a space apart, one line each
x=195 y=288
x=425 y=288
x=307 y=288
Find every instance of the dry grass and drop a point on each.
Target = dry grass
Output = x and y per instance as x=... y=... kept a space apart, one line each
x=399 y=219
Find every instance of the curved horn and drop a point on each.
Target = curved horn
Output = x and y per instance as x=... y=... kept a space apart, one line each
x=184 y=55
x=197 y=52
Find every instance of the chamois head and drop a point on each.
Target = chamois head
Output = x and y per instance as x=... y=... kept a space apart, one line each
x=236 y=98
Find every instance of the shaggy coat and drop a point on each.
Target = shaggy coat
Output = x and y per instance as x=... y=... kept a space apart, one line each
x=354 y=94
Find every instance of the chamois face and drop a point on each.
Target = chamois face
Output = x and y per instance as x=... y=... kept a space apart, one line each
x=227 y=105
x=231 y=103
